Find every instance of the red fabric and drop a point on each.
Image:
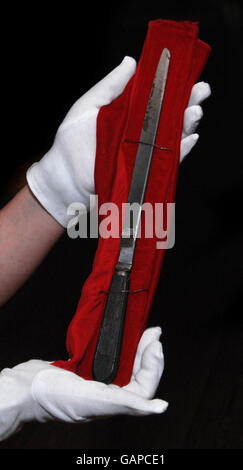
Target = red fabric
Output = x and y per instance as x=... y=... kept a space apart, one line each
x=114 y=165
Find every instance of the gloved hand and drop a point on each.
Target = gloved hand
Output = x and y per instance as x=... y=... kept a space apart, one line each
x=37 y=390
x=66 y=173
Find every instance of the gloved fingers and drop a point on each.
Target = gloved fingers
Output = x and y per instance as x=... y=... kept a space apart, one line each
x=147 y=378
x=138 y=406
x=192 y=117
x=67 y=397
x=133 y=402
x=187 y=143
x=200 y=92
x=148 y=336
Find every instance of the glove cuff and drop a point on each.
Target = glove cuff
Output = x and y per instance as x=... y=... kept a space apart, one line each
x=43 y=195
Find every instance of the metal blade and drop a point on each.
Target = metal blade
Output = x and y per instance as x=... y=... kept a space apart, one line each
x=142 y=163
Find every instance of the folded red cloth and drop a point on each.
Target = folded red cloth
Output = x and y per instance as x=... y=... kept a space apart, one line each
x=115 y=159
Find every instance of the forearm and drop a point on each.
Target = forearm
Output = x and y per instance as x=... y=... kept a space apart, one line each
x=27 y=233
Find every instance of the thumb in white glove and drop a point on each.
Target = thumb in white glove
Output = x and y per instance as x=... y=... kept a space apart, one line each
x=36 y=390
x=66 y=173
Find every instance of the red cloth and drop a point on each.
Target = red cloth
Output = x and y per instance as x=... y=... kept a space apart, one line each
x=113 y=170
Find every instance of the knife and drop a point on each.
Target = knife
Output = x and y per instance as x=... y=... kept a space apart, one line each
x=107 y=354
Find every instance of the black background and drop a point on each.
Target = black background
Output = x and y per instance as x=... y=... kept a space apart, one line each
x=49 y=59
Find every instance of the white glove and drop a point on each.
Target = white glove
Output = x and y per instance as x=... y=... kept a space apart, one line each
x=66 y=173
x=36 y=390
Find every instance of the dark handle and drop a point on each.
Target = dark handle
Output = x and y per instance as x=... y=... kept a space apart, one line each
x=107 y=354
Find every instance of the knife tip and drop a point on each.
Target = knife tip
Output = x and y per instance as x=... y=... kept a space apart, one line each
x=167 y=52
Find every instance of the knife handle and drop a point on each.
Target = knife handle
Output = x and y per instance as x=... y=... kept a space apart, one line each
x=107 y=354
